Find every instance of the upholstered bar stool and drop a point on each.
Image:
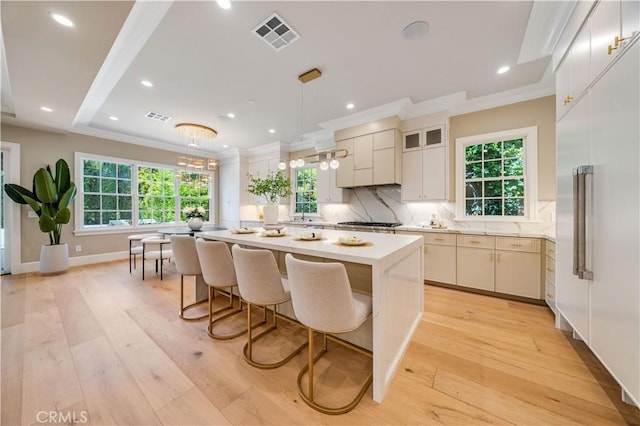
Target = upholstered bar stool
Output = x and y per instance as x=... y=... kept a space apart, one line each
x=219 y=274
x=323 y=301
x=260 y=284
x=185 y=257
x=135 y=246
x=158 y=249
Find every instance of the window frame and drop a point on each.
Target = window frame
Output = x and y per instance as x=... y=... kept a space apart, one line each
x=529 y=136
x=78 y=205
x=294 y=196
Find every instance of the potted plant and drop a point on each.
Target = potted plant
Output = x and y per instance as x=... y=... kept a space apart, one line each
x=50 y=200
x=272 y=188
x=194 y=216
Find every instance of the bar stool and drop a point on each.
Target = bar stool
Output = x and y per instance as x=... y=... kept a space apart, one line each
x=323 y=301
x=185 y=257
x=219 y=274
x=159 y=254
x=260 y=284
x=135 y=246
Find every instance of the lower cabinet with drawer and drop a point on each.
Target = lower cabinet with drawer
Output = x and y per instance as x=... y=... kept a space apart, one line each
x=550 y=275
x=507 y=265
x=440 y=257
x=476 y=254
x=518 y=267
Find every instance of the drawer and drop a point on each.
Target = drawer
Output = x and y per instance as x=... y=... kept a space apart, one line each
x=531 y=245
x=550 y=291
x=440 y=238
x=550 y=269
x=551 y=249
x=480 y=241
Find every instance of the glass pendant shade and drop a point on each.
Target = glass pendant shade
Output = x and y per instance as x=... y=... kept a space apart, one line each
x=334 y=164
x=324 y=165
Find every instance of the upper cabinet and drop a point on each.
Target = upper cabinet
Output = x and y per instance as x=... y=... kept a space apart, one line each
x=328 y=191
x=374 y=159
x=605 y=34
x=424 y=168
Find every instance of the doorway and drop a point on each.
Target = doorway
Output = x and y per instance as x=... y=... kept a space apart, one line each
x=9 y=211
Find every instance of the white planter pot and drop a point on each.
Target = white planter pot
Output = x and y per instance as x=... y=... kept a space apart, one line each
x=54 y=259
x=194 y=223
x=270 y=213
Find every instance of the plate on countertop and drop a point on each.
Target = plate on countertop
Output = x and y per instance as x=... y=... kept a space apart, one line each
x=243 y=231
x=352 y=241
x=273 y=233
x=309 y=236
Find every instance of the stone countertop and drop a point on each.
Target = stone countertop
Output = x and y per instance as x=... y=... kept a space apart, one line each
x=522 y=234
x=414 y=228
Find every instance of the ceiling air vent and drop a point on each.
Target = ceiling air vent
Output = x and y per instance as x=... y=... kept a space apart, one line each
x=156 y=116
x=275 y=32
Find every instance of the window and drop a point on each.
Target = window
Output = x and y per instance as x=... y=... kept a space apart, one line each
x=306 y=196
x=117 y=193
x=496 y=175
x=107 y=193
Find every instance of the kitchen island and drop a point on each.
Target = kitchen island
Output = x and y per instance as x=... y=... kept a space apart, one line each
x=395 y=268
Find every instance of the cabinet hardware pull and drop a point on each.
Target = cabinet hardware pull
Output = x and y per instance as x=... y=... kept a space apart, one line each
x=439 y=239
x=497 y=257
x=474 y=242
x=581 y=189
x=516 y=245
x=490 y=257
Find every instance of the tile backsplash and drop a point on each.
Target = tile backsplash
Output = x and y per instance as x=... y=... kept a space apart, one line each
x=383 y=204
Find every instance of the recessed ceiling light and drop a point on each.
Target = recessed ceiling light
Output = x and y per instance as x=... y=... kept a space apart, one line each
x=44 y=108
x=504 y=69
x=231 y=115
x=415 y=30
x=61 y=19
x=225 y=146
x=146 y=83
x=350 y=106
x=251 y=101
x=272 y=130
x=114 y=118
x=224 y=4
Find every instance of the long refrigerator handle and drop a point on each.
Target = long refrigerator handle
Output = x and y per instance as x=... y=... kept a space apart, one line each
x=581 y=190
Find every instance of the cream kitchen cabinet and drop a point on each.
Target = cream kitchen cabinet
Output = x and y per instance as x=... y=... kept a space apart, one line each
x=327 y=190
x=374 y=159
x=440 y=257
x=424 y=165
x=475 y=261
x=517 y=263
x=550 y=275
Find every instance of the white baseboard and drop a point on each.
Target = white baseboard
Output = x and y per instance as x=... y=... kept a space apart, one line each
x=75 y=261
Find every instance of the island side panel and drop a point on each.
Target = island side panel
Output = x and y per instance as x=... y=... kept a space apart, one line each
x=398 y=304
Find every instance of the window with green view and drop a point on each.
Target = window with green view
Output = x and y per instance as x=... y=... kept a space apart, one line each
x=494 y=178
x=194 y=191
x=306 y=183
x=107 y=193
x=156 y=195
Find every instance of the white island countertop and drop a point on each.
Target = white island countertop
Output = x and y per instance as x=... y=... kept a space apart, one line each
x=397 y=285
x=378 y=247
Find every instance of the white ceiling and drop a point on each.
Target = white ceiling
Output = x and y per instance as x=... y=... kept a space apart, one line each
x=205 y=62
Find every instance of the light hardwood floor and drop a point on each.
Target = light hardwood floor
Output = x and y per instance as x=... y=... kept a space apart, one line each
x=101 y=344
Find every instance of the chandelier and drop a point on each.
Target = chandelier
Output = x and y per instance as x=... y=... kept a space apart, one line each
x=193 y=168
x=194 y=133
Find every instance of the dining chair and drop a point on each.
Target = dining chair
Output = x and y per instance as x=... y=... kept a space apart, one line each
x=324 y=302
x=185 y=257
x=156 y=248
x=135 y=246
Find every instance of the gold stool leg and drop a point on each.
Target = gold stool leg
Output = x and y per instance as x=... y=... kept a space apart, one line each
x=184 y=308
x=308 y=398
x=247 y=350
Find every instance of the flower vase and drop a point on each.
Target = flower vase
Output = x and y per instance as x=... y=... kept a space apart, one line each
x=270 y=212
x=194 y=223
